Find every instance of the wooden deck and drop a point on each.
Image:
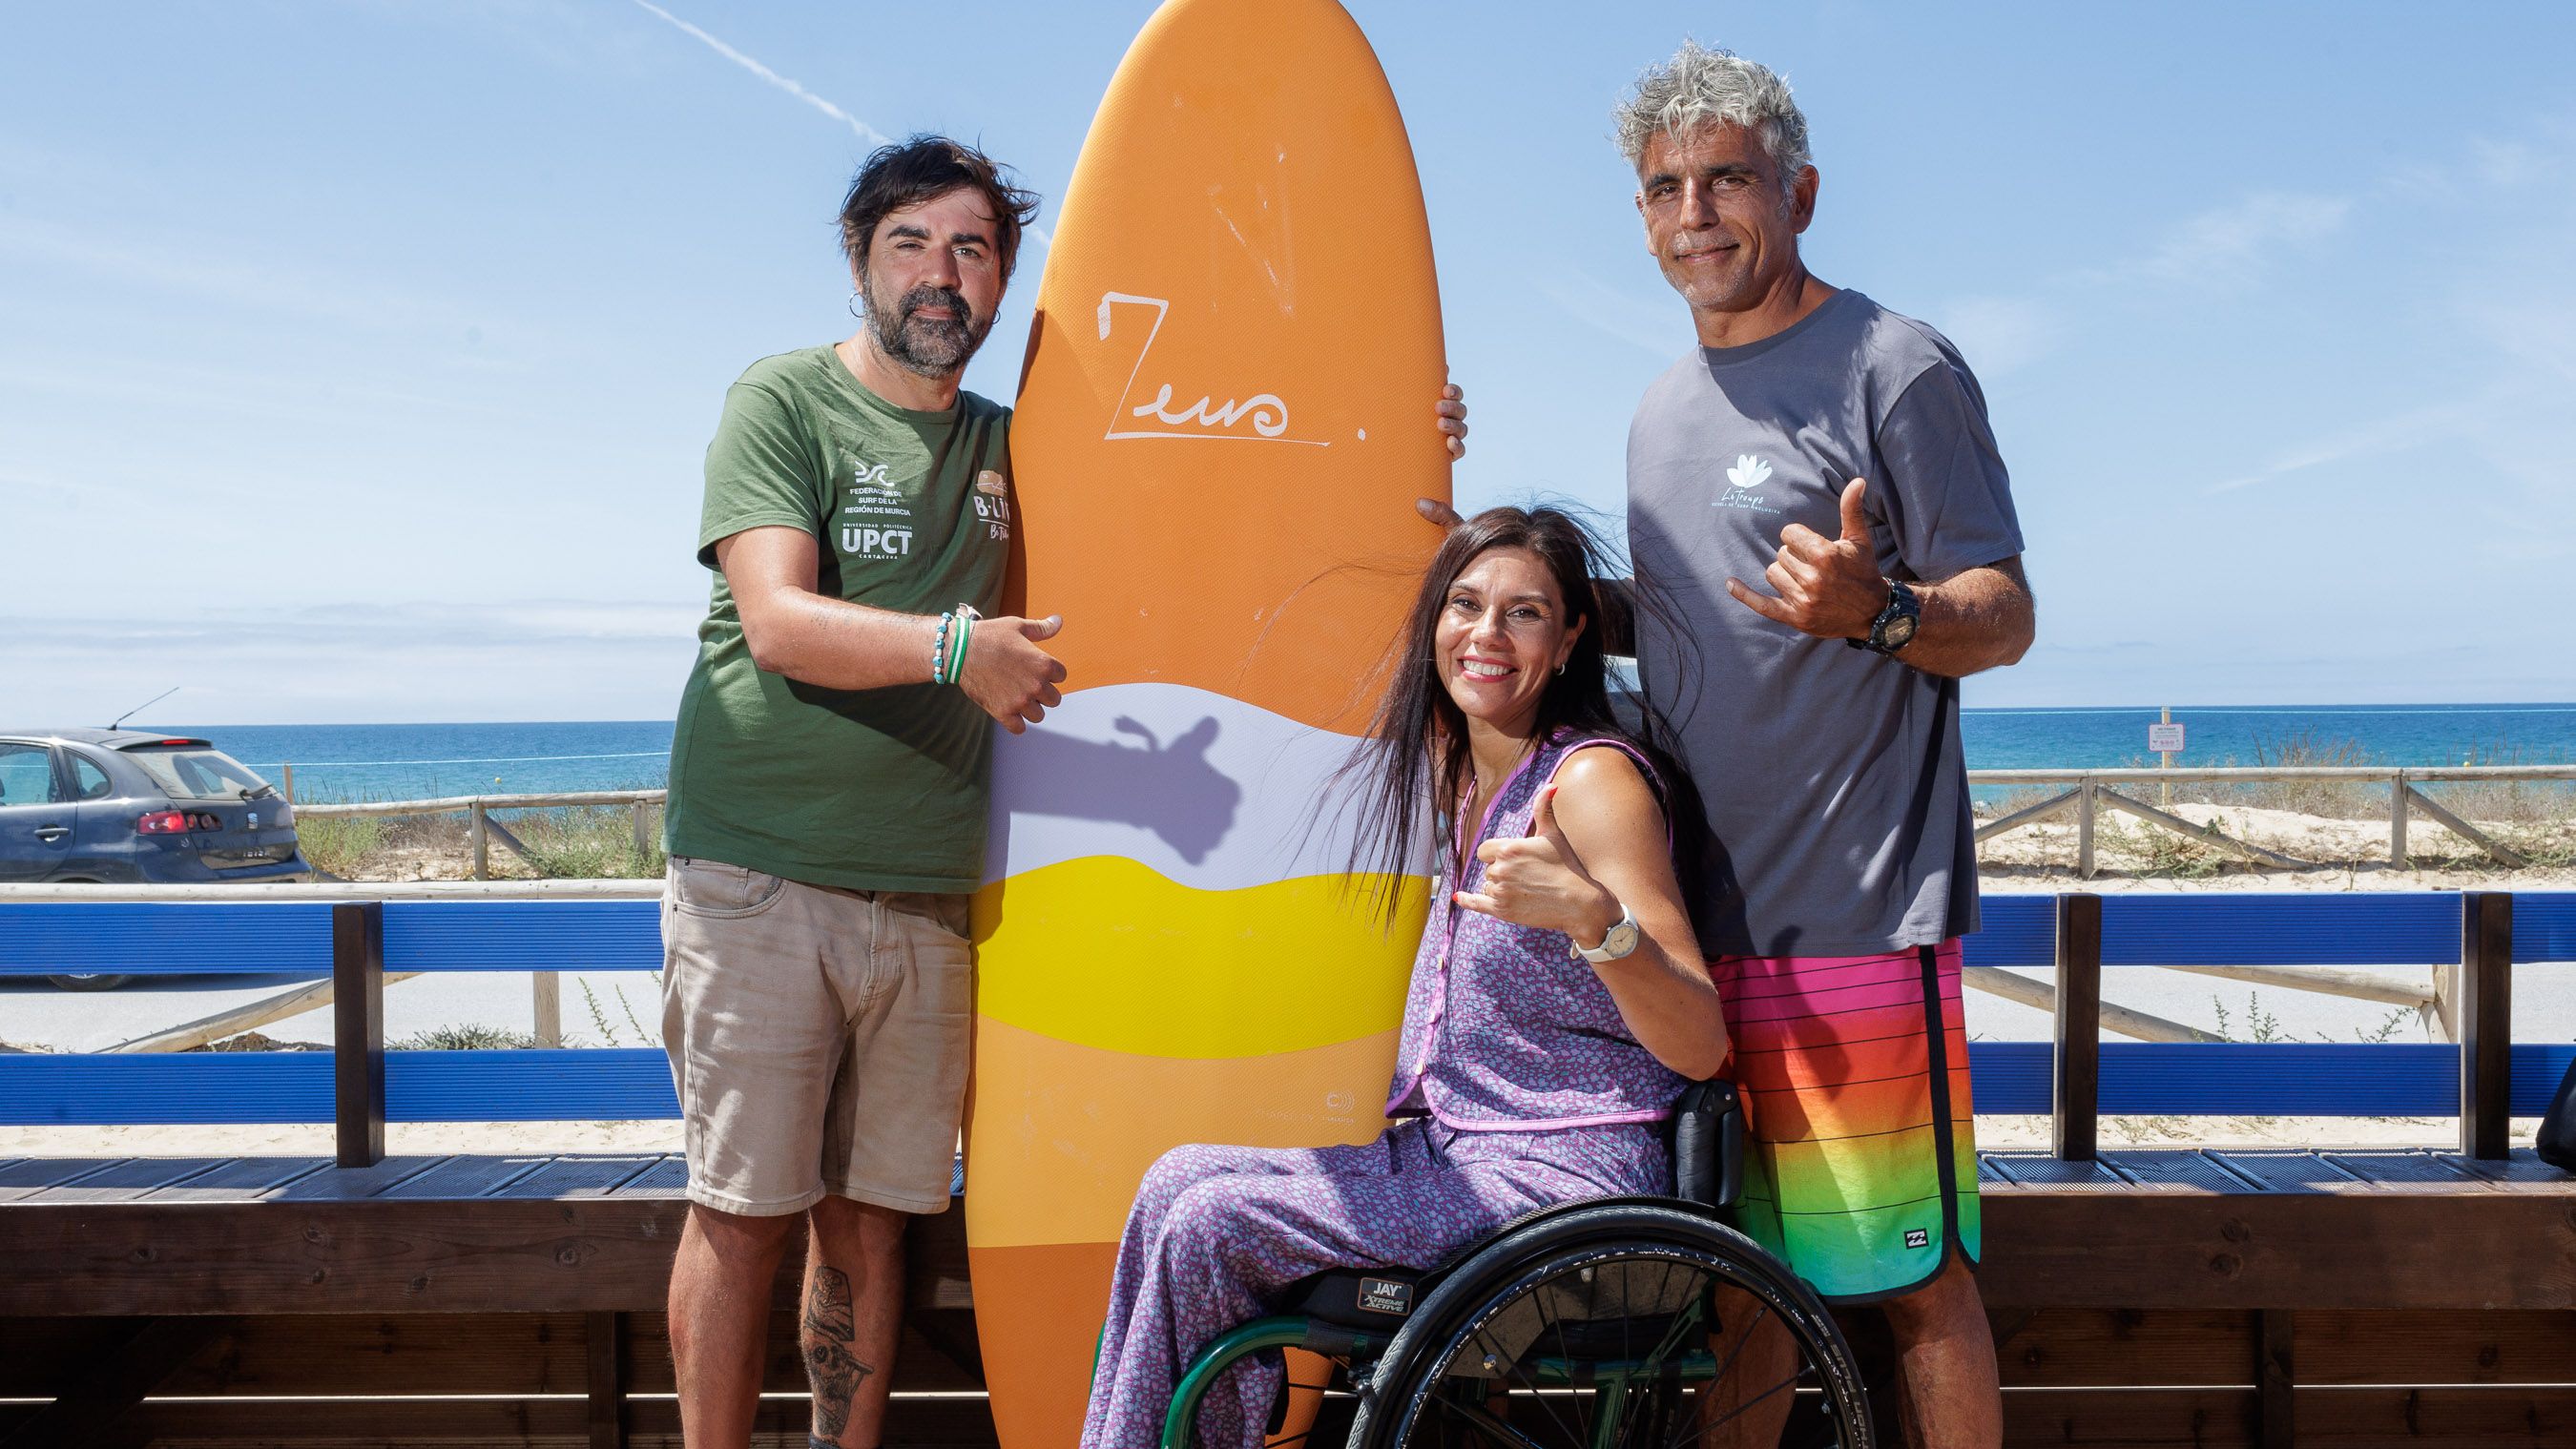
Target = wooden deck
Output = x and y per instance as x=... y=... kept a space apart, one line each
x=2348 y=1298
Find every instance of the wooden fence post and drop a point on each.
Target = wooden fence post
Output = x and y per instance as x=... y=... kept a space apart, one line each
x=2084 y=831
x=2276 y=1379
x=604 y=1336
x=2397 y=821
x=2486 y=1024
x=289 y=771
x=476 y=837
x=358 y=1031
x=2075 y=1085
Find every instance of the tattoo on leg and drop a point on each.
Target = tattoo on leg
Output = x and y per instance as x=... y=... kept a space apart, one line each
x=831 y=1324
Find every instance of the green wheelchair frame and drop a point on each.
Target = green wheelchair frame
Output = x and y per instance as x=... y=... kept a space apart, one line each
x=1708 y=1170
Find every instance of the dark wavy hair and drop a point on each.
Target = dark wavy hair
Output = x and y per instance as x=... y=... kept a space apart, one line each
x=913 y=171
x=1414 y=762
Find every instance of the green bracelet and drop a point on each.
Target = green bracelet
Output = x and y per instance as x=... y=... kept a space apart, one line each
x=957 y=642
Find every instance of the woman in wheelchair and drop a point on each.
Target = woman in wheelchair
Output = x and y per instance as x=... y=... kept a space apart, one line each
x=1558 y=1001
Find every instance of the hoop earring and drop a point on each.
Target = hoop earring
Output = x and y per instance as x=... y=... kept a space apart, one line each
x=856 y=304
x=1560 y=671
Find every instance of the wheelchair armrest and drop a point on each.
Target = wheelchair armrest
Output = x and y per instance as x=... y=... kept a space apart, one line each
x=1708 y=1144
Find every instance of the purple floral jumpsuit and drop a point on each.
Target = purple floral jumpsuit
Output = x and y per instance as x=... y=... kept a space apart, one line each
x=1518 y=1086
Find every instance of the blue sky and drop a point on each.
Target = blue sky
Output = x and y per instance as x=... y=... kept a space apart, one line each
x=356 y=361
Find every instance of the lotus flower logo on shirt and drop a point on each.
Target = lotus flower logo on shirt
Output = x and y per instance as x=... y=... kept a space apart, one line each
x=1747 y=476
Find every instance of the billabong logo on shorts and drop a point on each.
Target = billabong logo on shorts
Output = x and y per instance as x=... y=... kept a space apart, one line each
x=1385 y=1295
x=1918 y=1238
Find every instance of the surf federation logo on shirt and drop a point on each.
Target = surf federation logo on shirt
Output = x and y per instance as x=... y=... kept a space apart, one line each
x=1746 y=479
x=876 y=521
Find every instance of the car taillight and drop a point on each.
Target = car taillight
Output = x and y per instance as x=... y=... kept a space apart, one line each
x=162 y=822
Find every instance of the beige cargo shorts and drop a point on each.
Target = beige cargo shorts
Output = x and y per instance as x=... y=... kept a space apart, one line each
x=818 y=1039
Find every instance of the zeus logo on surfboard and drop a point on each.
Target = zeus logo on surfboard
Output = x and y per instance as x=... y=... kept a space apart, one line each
x=1264 y=413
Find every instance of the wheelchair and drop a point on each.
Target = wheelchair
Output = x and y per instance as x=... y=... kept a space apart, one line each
x=1615 y=1323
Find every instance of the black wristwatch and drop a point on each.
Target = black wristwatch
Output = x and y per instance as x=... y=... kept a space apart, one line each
x=1894 y=627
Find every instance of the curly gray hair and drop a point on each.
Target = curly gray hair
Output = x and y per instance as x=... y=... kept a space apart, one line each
x=1699 y=86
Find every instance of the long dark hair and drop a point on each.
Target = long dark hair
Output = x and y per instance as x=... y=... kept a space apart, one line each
x=1414 y=761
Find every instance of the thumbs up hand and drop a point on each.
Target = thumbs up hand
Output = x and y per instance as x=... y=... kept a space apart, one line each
x=1828 y=587
x=1539 y=881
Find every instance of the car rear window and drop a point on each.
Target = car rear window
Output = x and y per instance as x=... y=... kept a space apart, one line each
x=197 y=773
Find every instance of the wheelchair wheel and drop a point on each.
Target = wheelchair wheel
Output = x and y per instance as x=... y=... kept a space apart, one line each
x=1622 y=1325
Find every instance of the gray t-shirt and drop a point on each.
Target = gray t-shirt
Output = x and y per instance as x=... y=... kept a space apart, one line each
x=1833 y=778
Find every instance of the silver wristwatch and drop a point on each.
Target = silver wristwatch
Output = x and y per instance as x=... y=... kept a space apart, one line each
x=1615 y=945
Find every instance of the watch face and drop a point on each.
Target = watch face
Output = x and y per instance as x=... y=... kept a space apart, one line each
x=1899 y=631
x=1621 y=940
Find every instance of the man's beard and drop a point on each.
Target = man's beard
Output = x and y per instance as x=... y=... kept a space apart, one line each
x=934 y=347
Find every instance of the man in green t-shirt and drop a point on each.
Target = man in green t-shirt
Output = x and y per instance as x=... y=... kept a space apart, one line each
x=829 y=783
x=830 y=778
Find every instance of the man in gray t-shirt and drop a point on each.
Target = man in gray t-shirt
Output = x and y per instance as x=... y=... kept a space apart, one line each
x=1832 y=776
x=1816 y=502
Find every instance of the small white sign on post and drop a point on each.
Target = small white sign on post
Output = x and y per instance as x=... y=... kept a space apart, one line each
x=2164 y=739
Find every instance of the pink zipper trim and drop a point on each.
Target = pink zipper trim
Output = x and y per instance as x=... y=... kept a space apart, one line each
x=1607 y=1119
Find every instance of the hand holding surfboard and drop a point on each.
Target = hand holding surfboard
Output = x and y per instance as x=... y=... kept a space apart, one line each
x=1007 y=675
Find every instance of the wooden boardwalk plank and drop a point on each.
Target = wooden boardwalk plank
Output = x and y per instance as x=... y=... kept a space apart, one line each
x=2287 y=1171
x=574 y=1177
x=462 y=1177
x=128 y=1180
x=26 y=1178
x=2040 y=1169
x=242 y=1179
x=2522 y=1172
x=2408 y=1172
x=353 y=1184
x=666 y=1178
x=2176 y=1171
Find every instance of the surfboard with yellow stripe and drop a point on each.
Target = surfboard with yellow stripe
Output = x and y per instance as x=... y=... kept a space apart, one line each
x=1224 y=421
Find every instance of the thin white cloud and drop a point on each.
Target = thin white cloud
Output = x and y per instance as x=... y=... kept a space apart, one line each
x=866 y=132
x=200 y=270
x=2232 y=241
x=2397 y=433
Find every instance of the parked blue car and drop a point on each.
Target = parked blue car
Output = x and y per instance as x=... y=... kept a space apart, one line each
x=123 y=807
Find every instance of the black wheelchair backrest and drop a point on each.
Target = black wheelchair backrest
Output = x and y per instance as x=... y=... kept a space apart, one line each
x=1708 y=1144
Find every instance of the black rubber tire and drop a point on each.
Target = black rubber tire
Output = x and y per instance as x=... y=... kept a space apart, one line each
x=1397 y=1407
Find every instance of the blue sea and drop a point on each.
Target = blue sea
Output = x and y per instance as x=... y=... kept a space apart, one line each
x=421 y=761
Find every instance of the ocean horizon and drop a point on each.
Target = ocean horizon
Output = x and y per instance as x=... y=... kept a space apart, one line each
x=335 y=762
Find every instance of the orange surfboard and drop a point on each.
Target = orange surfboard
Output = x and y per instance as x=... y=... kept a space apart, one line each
x=1224 y=420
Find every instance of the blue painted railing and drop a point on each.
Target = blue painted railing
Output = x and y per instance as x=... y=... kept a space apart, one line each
x=2284 y=1079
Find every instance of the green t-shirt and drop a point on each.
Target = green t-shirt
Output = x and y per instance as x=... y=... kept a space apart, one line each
x=878 y=789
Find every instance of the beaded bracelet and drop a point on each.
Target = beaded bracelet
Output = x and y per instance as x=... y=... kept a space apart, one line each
x=939 y=653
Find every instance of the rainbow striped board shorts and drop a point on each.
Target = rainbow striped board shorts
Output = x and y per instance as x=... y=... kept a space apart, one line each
x=1861 y=1161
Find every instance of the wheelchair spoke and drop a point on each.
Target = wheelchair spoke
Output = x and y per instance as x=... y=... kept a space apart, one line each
x=1655 y=1355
